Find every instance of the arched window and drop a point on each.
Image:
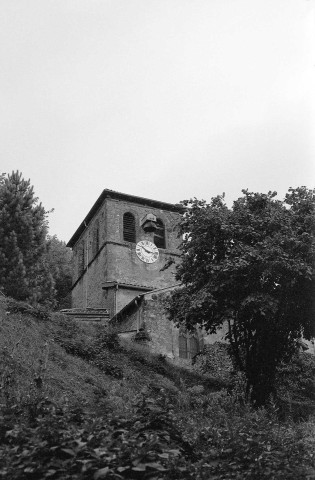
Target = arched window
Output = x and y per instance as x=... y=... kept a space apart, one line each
x=129 y=227
x=159 y=235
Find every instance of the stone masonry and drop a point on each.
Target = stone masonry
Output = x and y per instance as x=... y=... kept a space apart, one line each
x=147 y=314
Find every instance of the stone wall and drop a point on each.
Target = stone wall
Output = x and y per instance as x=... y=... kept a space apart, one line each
x=150 y=316
x=124 y=296
x=131 y=322
x=88 y=291
x=162 y=332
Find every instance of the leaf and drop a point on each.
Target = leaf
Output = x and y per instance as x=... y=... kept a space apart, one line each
x=68 y=451
x=139 y=468
x=156 y=466
x=101 y=473
x=99 y=451
x=50 y=473
x=164 y=455
x=122 y=469
x=174 y=451
x=80 y=444
x=228 y=450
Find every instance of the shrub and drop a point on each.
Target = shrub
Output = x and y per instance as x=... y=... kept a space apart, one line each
x=107 y=340
x=215 y=362
x=68 y=334
x=37 y=311
x=61 y=447
x=107 y=363
x=296 y=386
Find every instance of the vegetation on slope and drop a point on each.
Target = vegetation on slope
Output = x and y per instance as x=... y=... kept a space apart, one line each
x=75 y=404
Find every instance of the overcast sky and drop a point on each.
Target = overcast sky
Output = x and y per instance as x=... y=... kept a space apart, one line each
x=165 y=99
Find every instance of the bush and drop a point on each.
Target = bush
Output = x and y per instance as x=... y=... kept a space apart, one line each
x=59 y=446
x=215 y=362
x=68 y=334
x=107 y=363
x=296 y=386
x=38 y=311
x=99 y=351
x=108 y=340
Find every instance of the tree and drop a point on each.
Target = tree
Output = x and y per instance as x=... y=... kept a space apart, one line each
x=23 y=229
x=250 y=267
x=59 y=260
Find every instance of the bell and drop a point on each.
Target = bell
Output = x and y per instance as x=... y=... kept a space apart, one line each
x=149 y=226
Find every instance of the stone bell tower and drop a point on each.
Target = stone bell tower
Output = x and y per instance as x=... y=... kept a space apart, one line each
x=120 y=249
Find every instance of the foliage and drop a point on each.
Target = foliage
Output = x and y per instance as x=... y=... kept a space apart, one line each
x=37 y=311
x=251 y=266
x=60 y=446
x=215 y=361
x=244 y=444
x=24 y=275
x=234 y=441
x=58 y=258
x=99 y=352
x=183 y=432
x=296 y=386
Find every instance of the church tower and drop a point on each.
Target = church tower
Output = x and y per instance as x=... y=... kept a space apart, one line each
x=120 y=249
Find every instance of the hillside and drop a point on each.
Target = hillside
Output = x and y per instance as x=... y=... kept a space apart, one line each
x=62 y=352
x=76 y=404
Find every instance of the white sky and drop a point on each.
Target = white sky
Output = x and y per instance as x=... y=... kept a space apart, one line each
x=166 y=99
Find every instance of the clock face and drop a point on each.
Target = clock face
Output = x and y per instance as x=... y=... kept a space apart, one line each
x=147 y=251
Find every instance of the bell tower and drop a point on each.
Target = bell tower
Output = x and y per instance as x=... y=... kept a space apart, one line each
x=120 y=249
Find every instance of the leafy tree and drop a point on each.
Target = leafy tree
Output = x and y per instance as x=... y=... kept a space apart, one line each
x=24 y=274
x=59 y=260
x=250 y=267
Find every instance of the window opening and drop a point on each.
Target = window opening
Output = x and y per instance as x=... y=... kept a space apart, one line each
x=159 y=235
x=129 y=227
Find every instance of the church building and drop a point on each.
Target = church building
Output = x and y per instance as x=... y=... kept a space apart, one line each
x=120 y=249
x=119 y=254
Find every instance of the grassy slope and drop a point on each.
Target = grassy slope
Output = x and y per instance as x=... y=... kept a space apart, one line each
x=31 y=344
x=38 y=348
